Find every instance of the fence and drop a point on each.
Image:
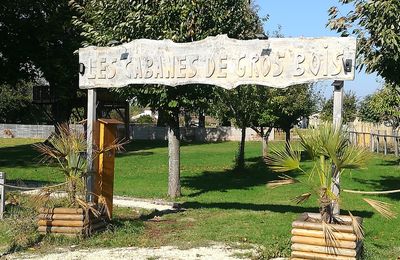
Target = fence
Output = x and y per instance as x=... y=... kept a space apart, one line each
x=377 y=140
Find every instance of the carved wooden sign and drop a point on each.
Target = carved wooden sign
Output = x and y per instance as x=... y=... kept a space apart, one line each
x=220 y=61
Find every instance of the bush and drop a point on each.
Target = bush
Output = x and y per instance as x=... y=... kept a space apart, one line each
x=145 y=119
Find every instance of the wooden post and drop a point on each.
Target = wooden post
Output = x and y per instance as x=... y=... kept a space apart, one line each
x=127 y=121
x=337 y=121
x=2 y=194
x=396 y=143
x=337 y=102
x=372 y=141
x=364 y=144
x=377 y=141
x=104 y=180
x=385 y=142
x=90 y=139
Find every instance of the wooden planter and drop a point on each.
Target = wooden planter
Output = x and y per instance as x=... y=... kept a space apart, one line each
x=308 y=240
x=69 y=222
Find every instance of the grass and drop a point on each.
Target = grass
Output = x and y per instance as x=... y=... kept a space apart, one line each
x=222 y=204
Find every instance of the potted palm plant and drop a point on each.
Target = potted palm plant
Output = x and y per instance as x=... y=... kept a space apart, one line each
x=67 y=147
x=327 y=235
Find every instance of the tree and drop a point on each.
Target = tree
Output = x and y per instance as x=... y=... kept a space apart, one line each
x=181 y=21
x=382 y=107
x=376 y=24
x=290 y=105
x=242 y=105
x=16 y=104
x=349 y=108
x=38 y=41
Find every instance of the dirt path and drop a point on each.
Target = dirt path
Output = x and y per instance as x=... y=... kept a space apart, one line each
x=214 y=252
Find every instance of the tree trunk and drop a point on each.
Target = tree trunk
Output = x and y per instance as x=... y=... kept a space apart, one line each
x=265 y=137
x=202 y=119
x=174 y=186
x=287 y=138
x=188 y=118
x=162 y=118
x=335 y=190
x=240 y=157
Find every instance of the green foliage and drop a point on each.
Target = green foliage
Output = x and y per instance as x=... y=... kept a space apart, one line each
x=289 y=106
x=349 y=108
x=383 y=106
x=16 y=104
x=38 y=41
x=222 y=205
x=366 y=111
x=67 y=148
x=376 y=24
x=331 y=152
x=180 y=21
x=145 y=119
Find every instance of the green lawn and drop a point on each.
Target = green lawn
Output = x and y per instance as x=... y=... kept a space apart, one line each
x=222 y=205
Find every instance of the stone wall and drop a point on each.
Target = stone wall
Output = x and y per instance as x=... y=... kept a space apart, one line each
x=194 y=134
x=139 y=132
x=28 y=131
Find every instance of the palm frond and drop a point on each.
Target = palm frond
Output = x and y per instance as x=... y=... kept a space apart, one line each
x=284 y=160
x=284 y=180
x=354 y=157
x=357 y=228
x=301 y=198
x=382 y=208
x=330 y=237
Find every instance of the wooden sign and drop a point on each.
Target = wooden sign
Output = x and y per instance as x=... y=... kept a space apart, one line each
x=220 y=61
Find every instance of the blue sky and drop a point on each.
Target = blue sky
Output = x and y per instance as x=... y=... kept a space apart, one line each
x=308 y=18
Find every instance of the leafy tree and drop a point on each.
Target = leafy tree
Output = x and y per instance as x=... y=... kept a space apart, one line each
x=376 y=24
x=242 y=105
x=366 y=111
x=289 y=106
x=382 y=107
x=38 y=41
x=16 y=104
x=181 y=21
x=349 y=108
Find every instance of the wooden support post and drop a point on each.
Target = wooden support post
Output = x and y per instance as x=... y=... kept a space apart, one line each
x=2 y=194
x=337 y=121
x=90 y=139
x=337 y=102
x=127 y=121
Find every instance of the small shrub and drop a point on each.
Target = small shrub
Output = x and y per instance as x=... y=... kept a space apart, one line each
x=145 y=119
x=8 y=133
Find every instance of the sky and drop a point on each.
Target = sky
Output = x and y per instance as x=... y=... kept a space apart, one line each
x=308 y=18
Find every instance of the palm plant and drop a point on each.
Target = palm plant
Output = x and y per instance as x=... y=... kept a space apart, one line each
x=332 y=154
x=67 y=147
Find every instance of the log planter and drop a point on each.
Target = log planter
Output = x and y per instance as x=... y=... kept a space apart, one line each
x=308 y=239
x=70 y=222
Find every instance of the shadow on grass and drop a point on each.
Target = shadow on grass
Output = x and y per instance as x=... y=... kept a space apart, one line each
x=263 y=207
x=395 y=162
x=384 y=183
x=19 y=156
x=255 y=173
x=139 y=147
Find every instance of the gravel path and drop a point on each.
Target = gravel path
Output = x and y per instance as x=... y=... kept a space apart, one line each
x=214 y=252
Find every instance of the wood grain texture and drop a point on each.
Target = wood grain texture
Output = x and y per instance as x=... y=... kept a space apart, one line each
x=220 y=61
